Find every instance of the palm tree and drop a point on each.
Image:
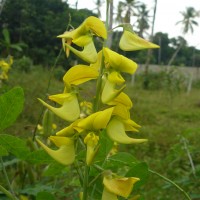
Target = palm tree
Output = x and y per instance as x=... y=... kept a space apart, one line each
x=142 y=19
x=126 y=10
x=188 y=20
x=98 y=4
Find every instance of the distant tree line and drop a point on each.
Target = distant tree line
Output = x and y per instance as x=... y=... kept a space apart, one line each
x=32 y=26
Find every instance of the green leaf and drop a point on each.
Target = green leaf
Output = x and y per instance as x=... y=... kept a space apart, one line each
x=6 y=35
x=11 y=105
x=39 y=157
x=139 y=170
x=105 y=146
x=14 y=145
x=44 y=195
x=3 y=151
x=55 y=169
x=121 y=159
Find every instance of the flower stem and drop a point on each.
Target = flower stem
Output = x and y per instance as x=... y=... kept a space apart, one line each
x=85 y=182
x=171 y=182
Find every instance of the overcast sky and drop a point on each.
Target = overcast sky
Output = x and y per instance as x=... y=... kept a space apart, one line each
x=168 y=13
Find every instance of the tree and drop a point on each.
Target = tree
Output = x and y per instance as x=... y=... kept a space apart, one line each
x=142 y=19
x=126 y=10
x=188 y=20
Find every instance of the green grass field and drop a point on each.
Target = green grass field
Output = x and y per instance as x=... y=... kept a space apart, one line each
x=170 y=120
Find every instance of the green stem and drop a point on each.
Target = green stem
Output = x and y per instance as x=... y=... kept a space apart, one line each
x=10 y=194
x=171 y=182
x=85 y=182
x=7 y=193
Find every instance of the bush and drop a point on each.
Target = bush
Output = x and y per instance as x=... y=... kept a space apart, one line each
x=23 y=64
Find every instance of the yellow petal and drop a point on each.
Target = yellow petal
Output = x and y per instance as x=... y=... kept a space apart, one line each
x=61 y=98
x=119 y=62
x=130 y=41
x=123 y=99
x=91 y=140
x=116 y=132
x=83 y=40
x=70 y=130
x=96 y=121
x=120 y=186
x=108 y=195
x=65 y=154
x=97 y=64
x=88 y=54
x=121 y=111
x=115 y=77
x=96 y=26
x=109 y=92
x=69 y=111
x=79 y=74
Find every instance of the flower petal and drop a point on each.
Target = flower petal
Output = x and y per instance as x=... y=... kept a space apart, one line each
x=69 y=111
x=108 y=195
x=118 y=62
x=109 y=92
x=130 y=41
x=91 y=140
x=79 y=74
x=88 y=54
x=116 y=132
x=96 y=26
x=120 y=186
x=65 y=154
x=96 y=121
x=122 y=99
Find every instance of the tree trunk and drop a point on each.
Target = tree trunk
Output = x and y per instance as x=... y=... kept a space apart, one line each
x=109 y=41
x=149 y=53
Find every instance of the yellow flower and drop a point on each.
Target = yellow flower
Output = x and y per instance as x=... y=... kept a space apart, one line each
x=80 y=74
x=109 y=90
x=82 y=37
x=118 y=62
x=118 y=186
x=130 y=41
x=91 y=140
x=65 y=154
x=116 y=131
x=69 y=110
x=96 y=121
x=5 y=66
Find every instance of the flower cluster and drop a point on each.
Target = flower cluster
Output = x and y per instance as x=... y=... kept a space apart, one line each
x=111 y=108
x=5 y=66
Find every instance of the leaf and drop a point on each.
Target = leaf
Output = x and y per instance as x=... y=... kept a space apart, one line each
x=14 y=145
x=54 y=169
x=39 y=157
x=44 y=195
x=3 y=151
x=11 y=105
x=6 y=35
x=139 y=170
x=105 y=146
x=120 y=159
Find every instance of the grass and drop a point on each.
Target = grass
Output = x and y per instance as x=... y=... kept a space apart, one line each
x=166 y=118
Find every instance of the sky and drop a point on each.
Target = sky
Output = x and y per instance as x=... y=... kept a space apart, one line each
x=168 y=13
